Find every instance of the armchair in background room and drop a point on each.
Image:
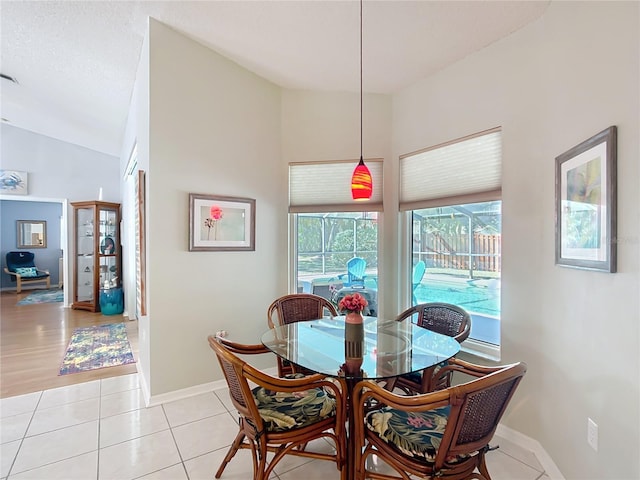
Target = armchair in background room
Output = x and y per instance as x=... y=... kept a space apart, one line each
x=22 y=269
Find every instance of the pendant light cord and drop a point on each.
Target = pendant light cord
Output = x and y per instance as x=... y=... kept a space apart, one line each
x=361 y=117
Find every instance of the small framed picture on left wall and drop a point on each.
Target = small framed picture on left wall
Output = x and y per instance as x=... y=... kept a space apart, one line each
x=14 y=182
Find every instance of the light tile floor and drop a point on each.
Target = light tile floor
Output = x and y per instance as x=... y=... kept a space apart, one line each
x=101 y=430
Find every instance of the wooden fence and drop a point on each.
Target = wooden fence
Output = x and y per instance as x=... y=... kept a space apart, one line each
x=453 y=252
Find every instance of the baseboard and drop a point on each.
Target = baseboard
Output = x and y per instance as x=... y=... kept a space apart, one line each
x=144 y=386
x=528 y=443
x=152 y=401
x=155 y=400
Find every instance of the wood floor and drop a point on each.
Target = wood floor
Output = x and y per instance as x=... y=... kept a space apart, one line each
x=34 y=339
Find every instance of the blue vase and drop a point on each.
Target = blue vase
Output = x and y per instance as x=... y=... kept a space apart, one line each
x=112 y=301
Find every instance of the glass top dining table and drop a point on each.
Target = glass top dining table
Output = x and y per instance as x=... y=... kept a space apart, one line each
x=389 y=348
x=378 y=349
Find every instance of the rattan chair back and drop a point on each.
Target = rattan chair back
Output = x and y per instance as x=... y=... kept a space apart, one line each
x=439 y=317
x=474 y=411
x=233 y=369
x=254 y=434
x=443 y=318
x=297 y=307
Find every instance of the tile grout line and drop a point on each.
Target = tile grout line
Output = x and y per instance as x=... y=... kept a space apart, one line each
x=99 y=429
x=217 y=395
x=541 y=472
x=175 y=442
x=99 y=397
x=24 y=435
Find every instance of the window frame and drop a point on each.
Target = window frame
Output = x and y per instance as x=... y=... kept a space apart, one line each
x=313 y=200
x=293 y=246
x=494 y=193
x=471 y=346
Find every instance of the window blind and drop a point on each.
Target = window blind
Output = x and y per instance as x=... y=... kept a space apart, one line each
x=316 y=187
x=462 y=171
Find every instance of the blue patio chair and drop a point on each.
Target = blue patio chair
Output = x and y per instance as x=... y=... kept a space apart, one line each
x=355 y=272
x=418 y=272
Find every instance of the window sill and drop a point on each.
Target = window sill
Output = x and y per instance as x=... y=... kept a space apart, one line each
x=483 y=350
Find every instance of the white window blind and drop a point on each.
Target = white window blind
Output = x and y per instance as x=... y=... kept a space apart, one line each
x=326 y=187
x=464 y=170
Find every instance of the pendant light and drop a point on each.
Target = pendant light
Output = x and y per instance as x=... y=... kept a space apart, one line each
x=361 y=182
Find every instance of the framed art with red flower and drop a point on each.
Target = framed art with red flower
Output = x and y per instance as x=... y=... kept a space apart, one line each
x=218 y=223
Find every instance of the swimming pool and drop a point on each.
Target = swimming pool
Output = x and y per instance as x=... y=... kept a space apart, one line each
x=478 y=296
x=481 y=298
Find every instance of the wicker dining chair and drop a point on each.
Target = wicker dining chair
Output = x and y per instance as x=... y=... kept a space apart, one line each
x=438 y=317
x=280 y=415
x=442 y=434
x=297 y=307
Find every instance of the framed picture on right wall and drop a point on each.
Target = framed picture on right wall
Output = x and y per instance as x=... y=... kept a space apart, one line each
x=586 y=204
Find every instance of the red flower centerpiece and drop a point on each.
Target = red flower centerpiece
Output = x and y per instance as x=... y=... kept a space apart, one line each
x=353 y=304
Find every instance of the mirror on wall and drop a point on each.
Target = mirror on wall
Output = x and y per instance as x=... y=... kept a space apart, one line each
x=32 y=234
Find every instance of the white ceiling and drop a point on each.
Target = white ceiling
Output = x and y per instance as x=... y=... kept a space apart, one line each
x=75 y=61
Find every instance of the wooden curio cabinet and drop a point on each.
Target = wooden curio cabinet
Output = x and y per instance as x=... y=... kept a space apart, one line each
x=97 y=253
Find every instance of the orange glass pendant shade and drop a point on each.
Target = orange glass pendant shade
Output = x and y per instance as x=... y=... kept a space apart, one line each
x=361 y=183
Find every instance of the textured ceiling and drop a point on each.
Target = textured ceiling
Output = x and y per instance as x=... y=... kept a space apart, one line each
x=75 y=62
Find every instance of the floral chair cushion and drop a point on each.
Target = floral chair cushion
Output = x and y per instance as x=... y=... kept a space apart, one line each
x=27 y=271
x=282 y=411
x=415 y=434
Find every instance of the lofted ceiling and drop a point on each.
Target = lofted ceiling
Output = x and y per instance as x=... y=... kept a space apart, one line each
x=75 y=61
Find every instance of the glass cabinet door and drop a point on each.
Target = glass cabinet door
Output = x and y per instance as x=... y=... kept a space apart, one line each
x=109 y=241
x=85 y=243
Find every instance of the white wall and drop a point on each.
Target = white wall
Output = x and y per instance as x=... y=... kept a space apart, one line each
x=59 y=169
x=550 y=86
x=61 y=172
x=326 y=126
x=213 y=128
x=137 y=133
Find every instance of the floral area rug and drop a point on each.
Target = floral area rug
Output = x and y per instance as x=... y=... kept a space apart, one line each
x=43 y=296
x=96 y=347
